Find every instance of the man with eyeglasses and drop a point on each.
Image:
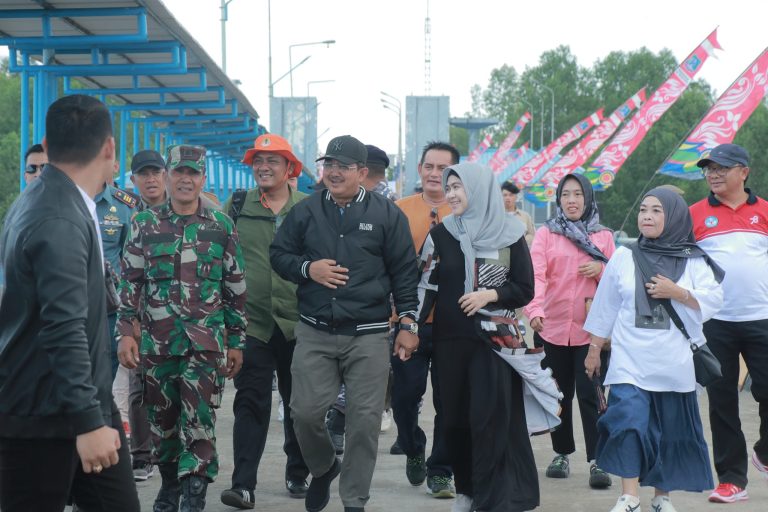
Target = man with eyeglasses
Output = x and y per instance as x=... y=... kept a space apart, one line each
x=732 y=226
x=424 y=211
x=272 y=315
x=183 y=279
x=34 y=160
x=348 y=250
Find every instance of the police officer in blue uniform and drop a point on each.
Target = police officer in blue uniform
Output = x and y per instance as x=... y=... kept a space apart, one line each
x=114 y=209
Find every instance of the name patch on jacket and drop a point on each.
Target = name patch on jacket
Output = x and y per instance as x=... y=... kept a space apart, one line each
x=366 y=227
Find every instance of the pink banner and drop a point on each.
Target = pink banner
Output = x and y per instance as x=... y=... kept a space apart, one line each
x=722 y=121
x=603 y=170
x=514 y=155
x=497 y=160
x=529 y=170
x=480 y=149
x=584 y=149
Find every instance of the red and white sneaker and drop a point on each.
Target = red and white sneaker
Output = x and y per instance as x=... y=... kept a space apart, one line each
x=728 y=493
x=762 y=468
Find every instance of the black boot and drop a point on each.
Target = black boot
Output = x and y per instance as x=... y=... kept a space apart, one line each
x=170 y=490
x=193 y=489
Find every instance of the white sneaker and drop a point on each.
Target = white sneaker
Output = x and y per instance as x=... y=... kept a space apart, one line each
x=386 y=420
x=662 y=504
x=280 y=411
x=462 y=503
x=627 y=503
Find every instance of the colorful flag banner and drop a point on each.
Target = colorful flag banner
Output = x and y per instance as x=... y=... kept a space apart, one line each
x=603 y=170
x=480 y=149
x=592 y=142
x=497 y=162
x=529 y=170
x=722 y=121
x=526 y=155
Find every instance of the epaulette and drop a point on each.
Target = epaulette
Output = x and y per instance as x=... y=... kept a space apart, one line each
x=125 y=197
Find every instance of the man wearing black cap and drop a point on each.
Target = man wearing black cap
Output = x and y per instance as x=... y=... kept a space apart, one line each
x=376 y=181
x=732 y=226
x=148 y=176
x=348 y=250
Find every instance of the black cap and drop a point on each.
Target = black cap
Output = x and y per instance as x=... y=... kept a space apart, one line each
x=147 y=158
x=727 y=155
x=346 y=149
x=376 y=156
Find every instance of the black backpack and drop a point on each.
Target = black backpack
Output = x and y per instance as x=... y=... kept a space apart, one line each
x=238 y=200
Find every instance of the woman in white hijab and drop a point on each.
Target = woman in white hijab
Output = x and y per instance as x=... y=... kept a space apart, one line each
x=477 y=270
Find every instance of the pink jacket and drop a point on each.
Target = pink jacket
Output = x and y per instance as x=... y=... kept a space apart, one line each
x=561 y=293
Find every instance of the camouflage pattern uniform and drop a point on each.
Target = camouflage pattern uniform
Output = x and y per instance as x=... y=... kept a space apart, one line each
x=184 y=276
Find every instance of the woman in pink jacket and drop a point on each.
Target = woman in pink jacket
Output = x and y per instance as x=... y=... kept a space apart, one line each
x=569 y=254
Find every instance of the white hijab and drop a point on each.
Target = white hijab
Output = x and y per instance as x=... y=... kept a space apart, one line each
x=484 y=225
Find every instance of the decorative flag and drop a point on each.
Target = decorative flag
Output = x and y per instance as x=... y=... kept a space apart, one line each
x=497 y=162
x=513 y=165
x=603 y=170
x=480 y=149
x=722 y=121
x=529 y=170
x=584 y=149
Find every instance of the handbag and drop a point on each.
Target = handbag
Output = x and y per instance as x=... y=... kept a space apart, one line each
x=705 y=364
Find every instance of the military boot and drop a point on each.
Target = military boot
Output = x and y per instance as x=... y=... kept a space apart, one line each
x=170 y=490
x=193 y=489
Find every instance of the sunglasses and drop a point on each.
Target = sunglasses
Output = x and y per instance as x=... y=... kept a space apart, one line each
x=33 y=168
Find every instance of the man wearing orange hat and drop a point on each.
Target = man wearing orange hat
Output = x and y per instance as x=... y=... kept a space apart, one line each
x=272 y=313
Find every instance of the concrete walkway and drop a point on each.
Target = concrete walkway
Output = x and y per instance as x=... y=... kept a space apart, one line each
x=392 y=492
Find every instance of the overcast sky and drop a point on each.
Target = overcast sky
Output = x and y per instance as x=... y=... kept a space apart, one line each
x=380 y=46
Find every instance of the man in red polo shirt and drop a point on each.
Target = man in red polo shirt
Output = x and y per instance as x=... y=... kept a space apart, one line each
x=731 y=224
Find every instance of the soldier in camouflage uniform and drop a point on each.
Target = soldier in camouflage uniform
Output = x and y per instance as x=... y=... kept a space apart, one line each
x=183 y=270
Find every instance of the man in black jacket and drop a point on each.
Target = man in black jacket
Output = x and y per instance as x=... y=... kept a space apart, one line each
x=348 y=250
x=60 y=431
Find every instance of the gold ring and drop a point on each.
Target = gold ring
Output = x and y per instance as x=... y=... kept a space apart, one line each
x=97 y=469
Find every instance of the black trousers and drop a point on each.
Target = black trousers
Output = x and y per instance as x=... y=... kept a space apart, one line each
x=253 y=406
x=409 y=383
x=567 y=364
x=40 y=475
x=727 y=340
x=484 y=414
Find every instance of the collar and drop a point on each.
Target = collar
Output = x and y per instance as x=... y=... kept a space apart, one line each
x=89 y=203
x=104 y=195
x=357 y=199
x=714 y=201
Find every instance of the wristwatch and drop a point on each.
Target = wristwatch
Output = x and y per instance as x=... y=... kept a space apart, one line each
x=412 y=328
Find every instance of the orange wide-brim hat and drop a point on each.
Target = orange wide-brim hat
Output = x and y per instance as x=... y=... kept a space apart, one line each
x=271 y=143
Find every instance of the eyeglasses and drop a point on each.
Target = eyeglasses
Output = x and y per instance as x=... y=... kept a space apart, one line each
x=340 y=167
x=718 y=170
x=33 y=168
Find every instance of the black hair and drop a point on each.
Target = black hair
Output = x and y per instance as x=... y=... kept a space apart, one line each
x=35 y=148
x=510 y=187
x=440 y=146
x=76 y=128
x=376 y=169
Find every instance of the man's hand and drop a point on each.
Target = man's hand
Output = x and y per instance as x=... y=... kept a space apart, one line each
x=405 y=345
x=591 y=269
x=328 y=273
x=98 y=449
x=537 y=324
x=128 y=352
x=234 y=361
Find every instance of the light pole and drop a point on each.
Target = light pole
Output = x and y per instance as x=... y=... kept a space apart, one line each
x=269 y=36
x=397 y=109
x=305 y=59
x=327 y=42
x=552 y=113
x=224 y=17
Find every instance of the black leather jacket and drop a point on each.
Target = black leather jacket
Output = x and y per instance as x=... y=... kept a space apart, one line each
x=55 y=376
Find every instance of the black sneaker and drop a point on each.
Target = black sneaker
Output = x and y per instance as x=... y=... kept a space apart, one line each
x=440 y=487
x=416 y=469
x=297 y=487
x=598 y=479
x=395 y=449
x=142 y=471
x=238 y=498
x=319 y=491
x=559 y=467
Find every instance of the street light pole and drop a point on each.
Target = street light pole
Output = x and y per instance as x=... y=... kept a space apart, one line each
x=269 y=35
x=327 y=42
x=552 y=113
x=397 y=109
x=305 y=59
x=224 y=17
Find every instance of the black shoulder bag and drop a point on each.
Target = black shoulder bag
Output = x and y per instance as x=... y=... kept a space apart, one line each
x=705 y=363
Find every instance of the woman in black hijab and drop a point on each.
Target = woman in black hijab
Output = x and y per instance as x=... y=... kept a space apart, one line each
x=651 y=434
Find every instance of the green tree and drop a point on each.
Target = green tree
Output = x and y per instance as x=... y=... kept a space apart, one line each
x=10 y=104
